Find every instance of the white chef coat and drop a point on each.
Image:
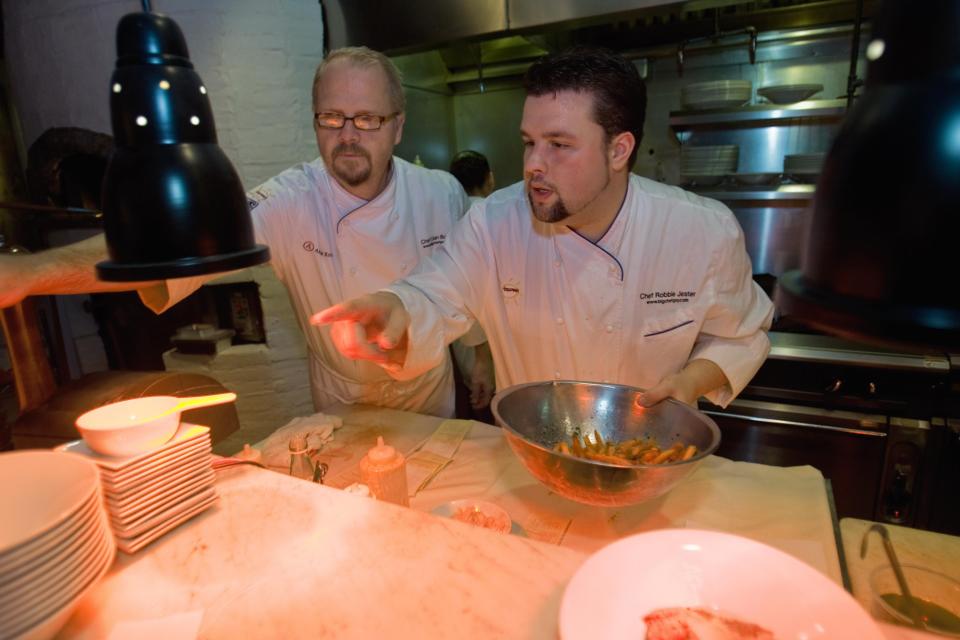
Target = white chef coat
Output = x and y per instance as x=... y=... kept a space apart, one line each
x=669 y=282
x=327 y=246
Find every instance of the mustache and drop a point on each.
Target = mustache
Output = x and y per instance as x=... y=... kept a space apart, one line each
x=540 y=183
x=350 y=148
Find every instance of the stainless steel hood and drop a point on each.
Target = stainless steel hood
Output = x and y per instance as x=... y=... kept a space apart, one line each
x=416 y=25
x=419 y=25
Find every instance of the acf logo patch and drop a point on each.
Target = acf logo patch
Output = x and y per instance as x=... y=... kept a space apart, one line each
x=255 y=197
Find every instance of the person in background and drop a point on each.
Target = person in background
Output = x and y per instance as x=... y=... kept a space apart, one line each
x=583 y=271
x=347 y=223
x=473 y=172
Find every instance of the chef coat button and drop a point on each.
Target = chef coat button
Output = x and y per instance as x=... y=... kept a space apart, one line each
x=556 y=263
x=609 y=328
x=353 y=271
x=559 y=320
x=403 y=267
x=556 y=374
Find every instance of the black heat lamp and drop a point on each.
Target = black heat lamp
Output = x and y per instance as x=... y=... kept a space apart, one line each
x=882 y=256
x=173 y=204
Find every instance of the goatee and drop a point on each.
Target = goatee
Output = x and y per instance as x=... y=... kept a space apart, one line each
x=353 y=171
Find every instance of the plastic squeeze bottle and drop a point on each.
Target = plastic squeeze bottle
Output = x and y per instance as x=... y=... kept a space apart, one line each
x=384 y=471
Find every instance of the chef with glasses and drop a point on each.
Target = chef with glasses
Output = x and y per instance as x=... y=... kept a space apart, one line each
x=348 y=223
x=351 y=222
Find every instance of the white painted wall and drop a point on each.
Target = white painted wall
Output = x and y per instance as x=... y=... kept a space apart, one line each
x=257 y=59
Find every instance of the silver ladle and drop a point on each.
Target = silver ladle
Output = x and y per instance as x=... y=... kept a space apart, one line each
x=912 y=609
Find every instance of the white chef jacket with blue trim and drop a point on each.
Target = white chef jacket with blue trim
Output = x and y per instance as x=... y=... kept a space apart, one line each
x=328 y=246
x=668 y=283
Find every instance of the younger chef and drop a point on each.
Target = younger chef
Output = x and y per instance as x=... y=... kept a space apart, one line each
x=583 y=271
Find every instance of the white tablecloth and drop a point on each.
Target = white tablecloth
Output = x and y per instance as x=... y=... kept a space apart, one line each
x=786 y=508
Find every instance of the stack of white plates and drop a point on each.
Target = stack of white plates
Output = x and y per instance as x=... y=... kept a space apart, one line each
x=149 y=494
x=803 y=167
x=718 y=94
x=706 y=166
x=55 y=541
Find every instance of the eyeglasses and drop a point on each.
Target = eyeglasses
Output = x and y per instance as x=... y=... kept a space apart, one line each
x=363 y=121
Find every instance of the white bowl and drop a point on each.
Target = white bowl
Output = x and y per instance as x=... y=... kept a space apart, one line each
x=130 y=427
x=616 y=587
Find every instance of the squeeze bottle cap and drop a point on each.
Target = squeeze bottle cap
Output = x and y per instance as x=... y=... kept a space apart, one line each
x=382 y=453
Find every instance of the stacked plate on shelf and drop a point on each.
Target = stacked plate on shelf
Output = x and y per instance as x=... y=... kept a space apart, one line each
x=789 y=93
x=803 y=167
x=707 y=166
x=55 y=542
x=149 y=494
x=718 y=94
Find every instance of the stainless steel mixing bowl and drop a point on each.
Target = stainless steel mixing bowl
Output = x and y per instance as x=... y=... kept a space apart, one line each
x=537 y=415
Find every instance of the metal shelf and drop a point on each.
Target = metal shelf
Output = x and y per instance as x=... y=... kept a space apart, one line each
x=756 y=114
x=783 y=192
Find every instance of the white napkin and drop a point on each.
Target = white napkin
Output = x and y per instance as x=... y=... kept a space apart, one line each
x=317 y=428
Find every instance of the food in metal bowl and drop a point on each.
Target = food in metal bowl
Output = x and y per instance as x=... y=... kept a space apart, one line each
x=537 y=416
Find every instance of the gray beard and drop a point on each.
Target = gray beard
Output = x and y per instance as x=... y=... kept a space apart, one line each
x=356 y=176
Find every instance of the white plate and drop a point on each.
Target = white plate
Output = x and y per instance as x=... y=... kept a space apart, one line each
x=64 y=579
x=43 y=569
x=47 y=617
x=156 y=520
x=161 y=483
x=789 y=93
x=51 y=540
x=620 y=584
x=156 y=468
x=132 y=545
x=111 y=465
x=129 y=515
x=41 y=489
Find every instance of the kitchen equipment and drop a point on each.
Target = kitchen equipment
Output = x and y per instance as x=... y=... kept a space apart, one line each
x=864 y=416
x=537 y=415
x=731 y=575
x=911 y=604
x=884 y=222
x=936 y=597
x=789 y=93
x=55 y=543
x=141 y=424
x=717 y=94
x=173 y=205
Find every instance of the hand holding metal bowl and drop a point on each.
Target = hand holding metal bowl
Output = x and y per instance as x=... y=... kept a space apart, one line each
x=537 y=415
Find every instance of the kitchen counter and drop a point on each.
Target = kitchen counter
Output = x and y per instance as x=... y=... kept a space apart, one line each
x=786 y=508
x=279 y=557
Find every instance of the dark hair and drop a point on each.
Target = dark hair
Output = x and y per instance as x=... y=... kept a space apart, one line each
x=619 y=93
x=471 y=169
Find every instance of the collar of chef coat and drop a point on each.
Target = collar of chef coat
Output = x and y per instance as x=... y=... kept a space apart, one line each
x=611 y=241
x=348 y=205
